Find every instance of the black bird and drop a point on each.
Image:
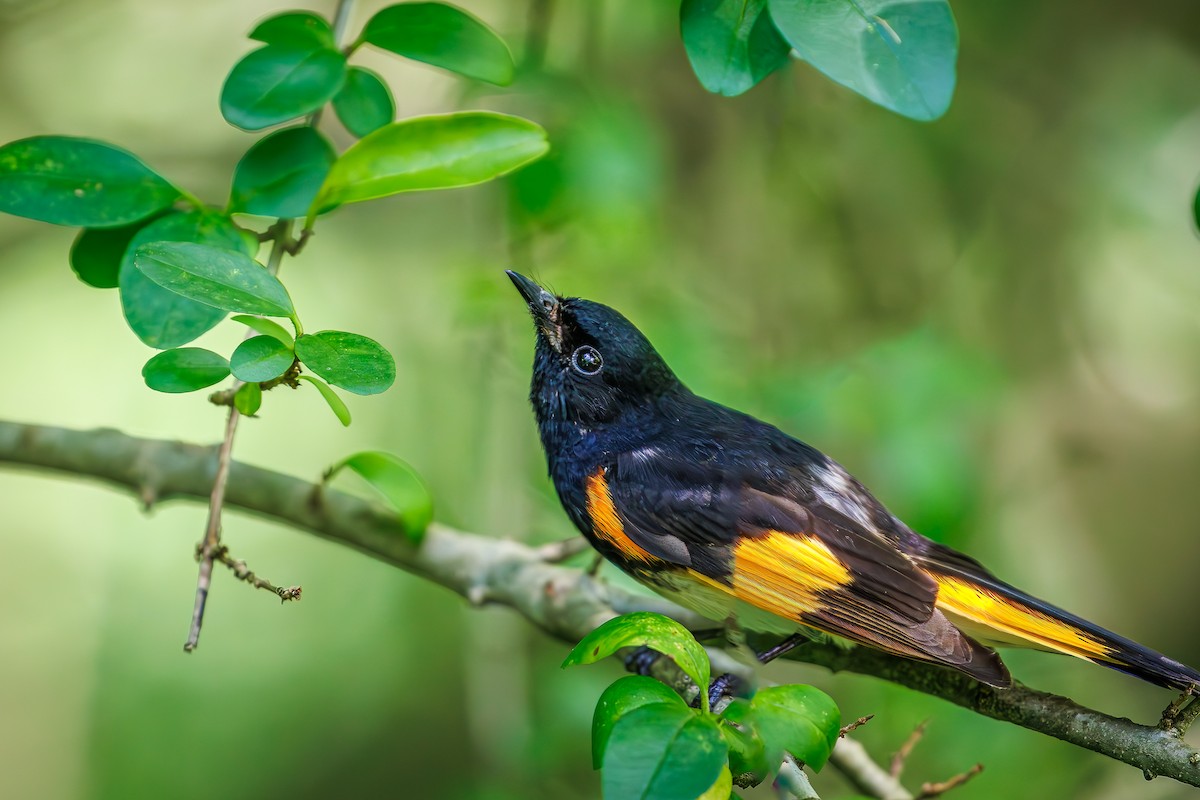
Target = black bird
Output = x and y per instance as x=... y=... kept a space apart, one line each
x=731 y=517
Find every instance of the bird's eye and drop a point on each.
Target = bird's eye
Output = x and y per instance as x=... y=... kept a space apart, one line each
x=586 y=360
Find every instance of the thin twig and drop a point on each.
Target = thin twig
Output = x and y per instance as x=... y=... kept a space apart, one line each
x=557 y=552
x=858 y=723
x=851 y=759
x=212 y=531
x=243 y=573
x=901 y=756
x=936 y=789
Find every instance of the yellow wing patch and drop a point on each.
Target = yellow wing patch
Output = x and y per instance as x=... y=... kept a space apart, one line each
x=607 y=525
x=967 y=602
x=784 y=573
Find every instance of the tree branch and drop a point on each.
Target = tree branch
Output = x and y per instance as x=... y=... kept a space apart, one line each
x=563 y=601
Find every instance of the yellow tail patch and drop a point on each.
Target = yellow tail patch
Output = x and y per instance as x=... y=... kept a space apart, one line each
x=1011 y=622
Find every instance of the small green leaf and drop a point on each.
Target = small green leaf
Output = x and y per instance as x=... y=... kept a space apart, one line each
x=97 y=252
x=443 y=36
x=801 y=720
x=663 y=752
x=296 y=29
x=722 y=787
x=248 y=399
x=897 y=53
x=747 y=753
x=260 y=358
x=71 y=181
x=655 y=631
x=436 y=152
x=399 y=484
x=223 y=279
x=266 y=326
x=355 y=363
x=1196 y=209
x=623 y=696
x=731 y=44
x=162 y=318
x=335 y=403
x=280 y=174
x=364 y=103
x=277 y=83
x=184 y=369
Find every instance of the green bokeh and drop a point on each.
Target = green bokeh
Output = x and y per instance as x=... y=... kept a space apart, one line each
x=990 y=320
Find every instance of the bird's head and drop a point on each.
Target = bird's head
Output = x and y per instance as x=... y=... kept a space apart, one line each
x=590 y=364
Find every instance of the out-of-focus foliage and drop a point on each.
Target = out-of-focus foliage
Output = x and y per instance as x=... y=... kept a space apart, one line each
x=990 y=319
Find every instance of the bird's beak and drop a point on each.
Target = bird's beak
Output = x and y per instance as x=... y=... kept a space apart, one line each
x=543 y=305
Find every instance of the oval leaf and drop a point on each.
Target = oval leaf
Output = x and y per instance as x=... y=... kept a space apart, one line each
x=161 y=318
x=655 y=631
x=280 y=174
x=399 y=484
x=355 y=363
x=897 y=53
x=722 y=787
x=97 y=253
x=331 y=399
x=731 y=44
x=436 y=152
x=443 y=36
x=223 y=279
x=294 y=28
x=801 y=720
x=277 y=83
x=184 y=369
x=623 y=696
x=364 y=103
x=260 y=358
x=663 y=752
x=248 y=399
x=266 y=327
x=71 y=181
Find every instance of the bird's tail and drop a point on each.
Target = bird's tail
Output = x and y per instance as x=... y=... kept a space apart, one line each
x=996 y=613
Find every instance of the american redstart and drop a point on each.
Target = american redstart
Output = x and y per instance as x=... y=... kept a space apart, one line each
x=732 y=518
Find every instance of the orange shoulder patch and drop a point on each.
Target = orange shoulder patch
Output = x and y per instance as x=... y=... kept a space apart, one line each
x=607 y=525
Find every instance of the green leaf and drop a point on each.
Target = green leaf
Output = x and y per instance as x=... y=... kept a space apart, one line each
x=280 y=174
x=399 y=484
x=1196 y=209
x=436 y=152
x=266 y=326
x=443 y=36
x=655 y=631
x=732 y=44
x=277 y=83
x=335 y=403
x=663 y=752
x=897 y=53
x=355 y=363
x=224 y=279
x=747 y=753
x=722 y=787
x=801 y=720
x=623 y=696
x=248 y=399
x=260 y=358
x=71 y=181
x=184 y=369
x=162 y=318
x=296 y=29
x=97 y=252
x=364 y=103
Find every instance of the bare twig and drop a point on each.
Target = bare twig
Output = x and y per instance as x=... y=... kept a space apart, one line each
x=851 y=759
x=901 y=756
x=937 y=789
x=558 y=552
x=858 y=723
x=560 y=600
x=243 y=573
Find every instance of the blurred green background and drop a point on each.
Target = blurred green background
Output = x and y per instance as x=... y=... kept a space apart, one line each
x=991 y=320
